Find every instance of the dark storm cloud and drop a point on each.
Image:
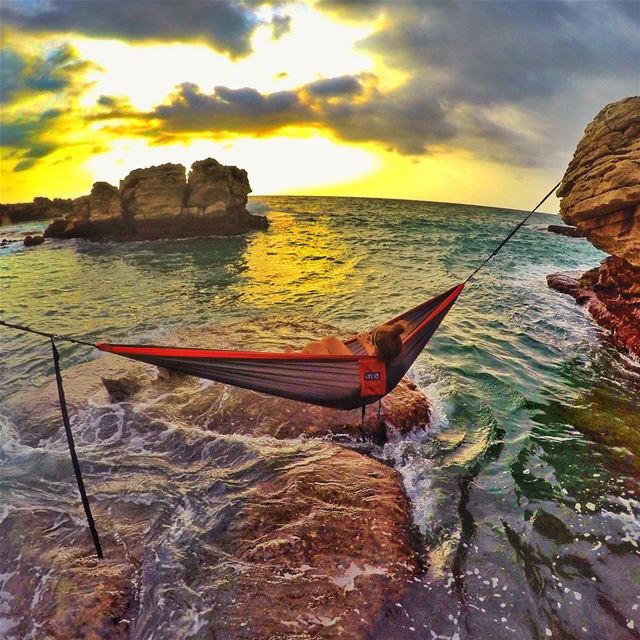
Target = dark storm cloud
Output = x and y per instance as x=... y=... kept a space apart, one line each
x=406 y=123
x=23 y=132
x=489 y=52
x=231 y=110
x=227 y=25
x=480 y=76
x=54 y=72
x=534 y=57
x=342 y=85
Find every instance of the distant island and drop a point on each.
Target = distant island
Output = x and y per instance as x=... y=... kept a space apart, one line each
x=150 y=203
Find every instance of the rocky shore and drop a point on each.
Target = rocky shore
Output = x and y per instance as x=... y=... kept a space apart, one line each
x=600 y=198
x=151 y=203
x=312 y=539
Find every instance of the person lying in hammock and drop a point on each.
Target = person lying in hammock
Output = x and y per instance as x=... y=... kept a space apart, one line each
x=384 y=341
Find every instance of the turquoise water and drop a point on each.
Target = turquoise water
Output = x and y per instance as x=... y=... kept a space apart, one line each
x=530 y=480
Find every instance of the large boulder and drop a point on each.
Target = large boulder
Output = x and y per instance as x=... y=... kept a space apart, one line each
x=153 y=192
x=600 y=196
x=215 y=188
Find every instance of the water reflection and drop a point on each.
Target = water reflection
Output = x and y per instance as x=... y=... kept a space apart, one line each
x=296 y=260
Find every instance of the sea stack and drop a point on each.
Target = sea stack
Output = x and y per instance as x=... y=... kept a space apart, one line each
x=600 y=197
x=159 y=202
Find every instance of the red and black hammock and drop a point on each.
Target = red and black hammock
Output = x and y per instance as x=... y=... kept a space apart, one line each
x=336 y=381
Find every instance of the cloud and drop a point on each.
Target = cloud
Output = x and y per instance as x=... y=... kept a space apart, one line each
x=342 y=85
x=231 y=110
x=496 y=78
x=23 y=131
x=406 y=123
x=227 y=25
x=489 y=52
x=27 y=137
x=280 y=25
x=534 y=60
x=26 y=74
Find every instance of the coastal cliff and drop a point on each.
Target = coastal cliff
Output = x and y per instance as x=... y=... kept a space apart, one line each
x=600 y=197
x=152 y=203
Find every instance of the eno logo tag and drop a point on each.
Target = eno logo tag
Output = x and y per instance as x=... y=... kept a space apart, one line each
x=373 y=377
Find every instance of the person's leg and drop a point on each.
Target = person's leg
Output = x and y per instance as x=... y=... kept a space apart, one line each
x=335 y=346
x=315 y=348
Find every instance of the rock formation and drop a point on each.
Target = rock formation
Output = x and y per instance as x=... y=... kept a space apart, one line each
x=32 y=240
x=39 y=209
x=156 y=202
x=565 y=230
x=154 y=192
x=316 y=540
x=103 y=202
x=213 y=188
x=600 y=194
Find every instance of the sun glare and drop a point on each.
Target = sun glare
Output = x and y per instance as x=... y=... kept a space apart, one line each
x=275 y=165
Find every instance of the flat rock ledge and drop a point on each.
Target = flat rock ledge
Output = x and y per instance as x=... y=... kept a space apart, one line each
x=319 y=547
x=600 y=293
x=565 y=230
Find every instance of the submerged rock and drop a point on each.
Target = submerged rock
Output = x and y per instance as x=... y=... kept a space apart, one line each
x=158 y=202
x=600 y=195
x=32 y=241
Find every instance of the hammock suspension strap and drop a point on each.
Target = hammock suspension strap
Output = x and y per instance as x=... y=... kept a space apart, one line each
x=72 y=450
x=512 y=233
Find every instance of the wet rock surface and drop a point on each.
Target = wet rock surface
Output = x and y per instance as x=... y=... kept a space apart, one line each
x=32 y=241
x=611 y=295
x=600 y=195
x=232 y=515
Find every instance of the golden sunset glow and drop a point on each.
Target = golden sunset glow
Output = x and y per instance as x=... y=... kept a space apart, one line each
x=309 y=99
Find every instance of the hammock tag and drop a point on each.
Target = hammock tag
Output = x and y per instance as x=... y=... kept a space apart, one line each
x=373 y=378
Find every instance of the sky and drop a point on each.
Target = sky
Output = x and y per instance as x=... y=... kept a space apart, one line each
x=478 y=102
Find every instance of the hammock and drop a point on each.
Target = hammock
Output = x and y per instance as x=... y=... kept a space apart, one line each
x=335 y=381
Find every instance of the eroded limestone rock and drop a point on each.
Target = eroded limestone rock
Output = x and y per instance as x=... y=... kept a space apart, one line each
x=600 y=190
x=156 y=202
x=215 y=188
x=154 y=191
x=600 y=195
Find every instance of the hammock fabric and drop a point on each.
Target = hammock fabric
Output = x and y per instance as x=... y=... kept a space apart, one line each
x=336 y=381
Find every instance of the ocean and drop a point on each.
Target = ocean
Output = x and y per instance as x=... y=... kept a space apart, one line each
x=531 y=473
